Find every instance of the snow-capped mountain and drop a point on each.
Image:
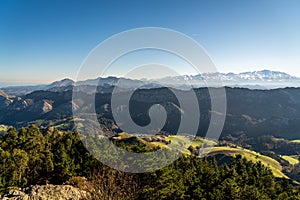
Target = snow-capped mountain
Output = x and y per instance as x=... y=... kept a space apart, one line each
x=257 y=79
x=264 y=75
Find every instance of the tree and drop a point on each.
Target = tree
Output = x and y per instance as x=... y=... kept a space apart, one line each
x=20 y=164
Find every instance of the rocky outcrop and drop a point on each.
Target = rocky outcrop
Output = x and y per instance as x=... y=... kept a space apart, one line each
x=46 y=192
x=19 y=104
x=41 y=107
x=3 y=94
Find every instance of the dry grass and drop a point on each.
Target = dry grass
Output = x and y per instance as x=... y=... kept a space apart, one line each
x=110 y=184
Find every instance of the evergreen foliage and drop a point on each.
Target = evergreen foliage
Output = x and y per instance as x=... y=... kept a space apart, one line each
x=28 y=157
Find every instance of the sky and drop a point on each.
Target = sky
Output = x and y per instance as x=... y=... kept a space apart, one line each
x=46 y=40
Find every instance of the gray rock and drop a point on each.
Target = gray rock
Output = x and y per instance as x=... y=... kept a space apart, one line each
x=46 y=192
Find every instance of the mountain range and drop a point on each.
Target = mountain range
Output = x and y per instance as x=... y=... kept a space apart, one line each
x=253 y=80
x=264 y=79
x=252 y=112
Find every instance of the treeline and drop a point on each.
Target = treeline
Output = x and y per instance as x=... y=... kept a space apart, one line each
x=194 y=178
x=28 y=157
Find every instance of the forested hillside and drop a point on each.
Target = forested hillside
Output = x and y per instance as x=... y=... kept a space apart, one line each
x=29 y=157
x=250 y=112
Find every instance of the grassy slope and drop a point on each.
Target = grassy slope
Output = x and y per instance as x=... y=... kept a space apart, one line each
x=248 y=154
x=180 y=142
x=293 y=160
x=183 y=142
x=253 y=156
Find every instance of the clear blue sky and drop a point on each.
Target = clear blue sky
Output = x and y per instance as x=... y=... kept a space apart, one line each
x=46 y=40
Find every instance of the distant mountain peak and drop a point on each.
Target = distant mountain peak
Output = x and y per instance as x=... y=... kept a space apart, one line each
x=62 y=83
x=65 y=80
x=266 y=75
